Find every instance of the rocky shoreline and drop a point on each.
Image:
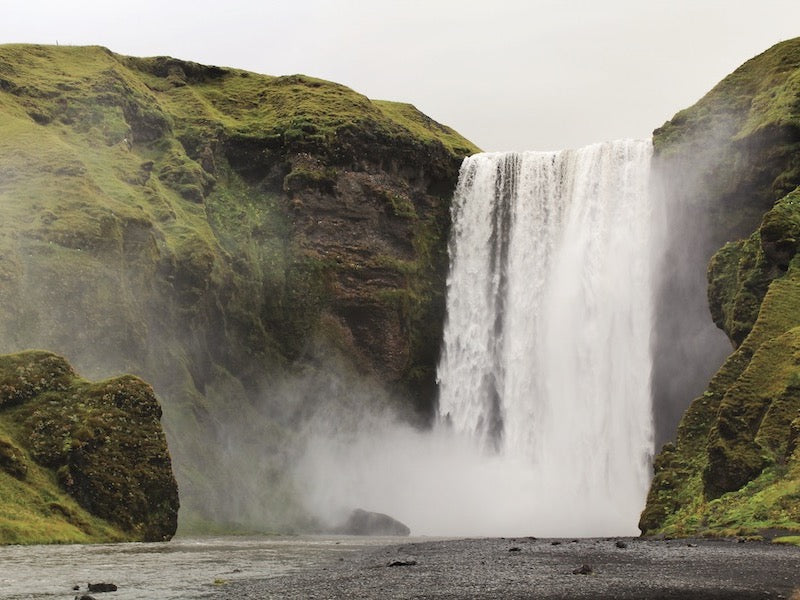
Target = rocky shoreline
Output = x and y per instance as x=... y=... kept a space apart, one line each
x=620 y=568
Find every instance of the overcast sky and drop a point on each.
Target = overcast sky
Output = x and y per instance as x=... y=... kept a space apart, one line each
x=507 y=74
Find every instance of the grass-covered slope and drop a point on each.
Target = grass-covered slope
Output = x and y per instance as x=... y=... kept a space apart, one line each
x=218 y=232
x=80 y=461
x=735 y=465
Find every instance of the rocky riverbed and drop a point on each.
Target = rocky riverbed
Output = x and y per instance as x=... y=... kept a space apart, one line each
x=619 y=568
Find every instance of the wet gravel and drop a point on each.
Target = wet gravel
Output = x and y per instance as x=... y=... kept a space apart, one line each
x=516 y=568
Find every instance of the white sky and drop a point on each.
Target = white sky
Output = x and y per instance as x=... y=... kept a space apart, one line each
x=507 y=74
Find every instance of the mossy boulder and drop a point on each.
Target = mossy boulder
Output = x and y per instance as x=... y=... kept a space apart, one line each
x=733 y=468
x=101 y=442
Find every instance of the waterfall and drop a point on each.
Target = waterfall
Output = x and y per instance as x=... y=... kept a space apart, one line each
x=546 y=352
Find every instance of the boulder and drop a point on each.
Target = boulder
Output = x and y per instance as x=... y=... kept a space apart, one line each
x=363 y=522
x=402 y=563
x=583 y=570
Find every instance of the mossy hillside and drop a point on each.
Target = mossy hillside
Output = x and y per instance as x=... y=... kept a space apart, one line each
x=734 y=467
x=731 y=163
x=735 y=152
x=185 y=223
x=719 y=166
x=80 y=461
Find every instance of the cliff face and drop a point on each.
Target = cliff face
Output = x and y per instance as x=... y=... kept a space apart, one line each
x=217 y=232
x=74 y=452
x=732 y=163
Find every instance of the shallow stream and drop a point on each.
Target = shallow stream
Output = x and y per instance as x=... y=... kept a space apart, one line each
x=181 y=569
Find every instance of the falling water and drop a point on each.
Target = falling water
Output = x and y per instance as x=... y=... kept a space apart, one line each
x=546 y=357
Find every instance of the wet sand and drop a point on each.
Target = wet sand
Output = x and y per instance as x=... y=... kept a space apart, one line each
x=516 y=568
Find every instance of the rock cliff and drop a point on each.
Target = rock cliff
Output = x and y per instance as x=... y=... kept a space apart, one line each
x=224 y=235
x=732 y=164
x=81 y=461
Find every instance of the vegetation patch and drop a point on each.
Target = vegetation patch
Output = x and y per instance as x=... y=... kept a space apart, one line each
x=791 y=540
x=734 y=468
x=91 y=457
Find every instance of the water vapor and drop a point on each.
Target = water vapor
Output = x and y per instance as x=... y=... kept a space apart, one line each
x=442 y=483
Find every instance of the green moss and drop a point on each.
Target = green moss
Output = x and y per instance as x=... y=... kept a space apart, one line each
x=734 y=467
x=12 y=460
x=426 y=128
x=792 y=540
x=738 y=277
x=89 y=461
x=301 y=178
x=739 y=429
x=31 y=373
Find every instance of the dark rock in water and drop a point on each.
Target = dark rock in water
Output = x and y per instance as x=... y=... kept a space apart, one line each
x=102 y=587
x=362 y=522
x=515 y=549
x=85 y=597
x=555 y=543
x=402 y=563
x=583 y=570
x=621 y=544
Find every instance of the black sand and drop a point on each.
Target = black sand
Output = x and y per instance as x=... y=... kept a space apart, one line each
x=531 y=568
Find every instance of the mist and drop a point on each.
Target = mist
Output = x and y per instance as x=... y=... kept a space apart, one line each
x=440 y=483
x=689 y=226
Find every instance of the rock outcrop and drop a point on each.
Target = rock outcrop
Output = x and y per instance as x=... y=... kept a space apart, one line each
x=103 y=444
x=219 y=232
x=732 y=162
x=364 y=522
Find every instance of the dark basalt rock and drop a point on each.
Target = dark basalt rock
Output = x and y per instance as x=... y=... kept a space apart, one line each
x=583 y=570
x=362 y=522
x=402 y=563
x=102 y=587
